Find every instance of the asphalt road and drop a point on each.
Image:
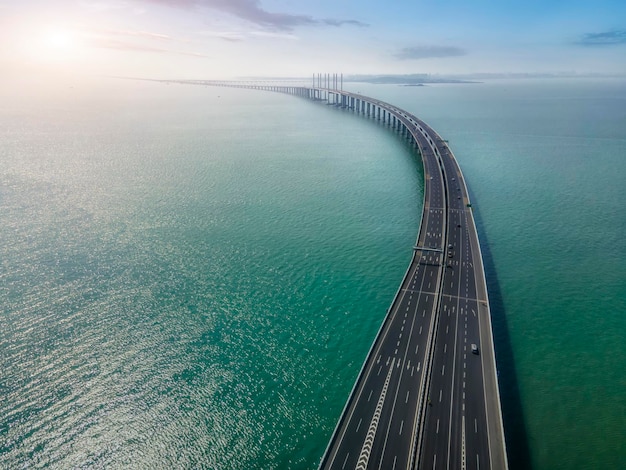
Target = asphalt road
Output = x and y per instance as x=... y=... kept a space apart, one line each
x=455 y=429
x=422 y=398
x=378 y=427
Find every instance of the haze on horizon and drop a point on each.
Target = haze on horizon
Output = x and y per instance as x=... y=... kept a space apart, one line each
x=202 y=39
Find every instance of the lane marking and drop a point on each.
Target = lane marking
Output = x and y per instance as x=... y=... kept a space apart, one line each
x=345 y=460
x=371 y=432
x=463 y=464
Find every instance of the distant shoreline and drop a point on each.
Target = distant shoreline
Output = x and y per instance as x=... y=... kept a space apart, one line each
x=405 y=81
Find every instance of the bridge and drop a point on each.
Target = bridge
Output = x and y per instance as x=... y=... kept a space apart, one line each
x=427 y=395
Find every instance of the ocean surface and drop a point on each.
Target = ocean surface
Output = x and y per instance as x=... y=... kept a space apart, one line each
x=191 y=277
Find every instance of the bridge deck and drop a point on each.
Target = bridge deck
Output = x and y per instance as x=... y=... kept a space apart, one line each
x=423 y=398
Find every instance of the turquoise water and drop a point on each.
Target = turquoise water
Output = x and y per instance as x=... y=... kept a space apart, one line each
x=191 y=277
x=546 y=163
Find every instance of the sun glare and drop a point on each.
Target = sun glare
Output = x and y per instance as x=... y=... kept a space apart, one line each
x=57 y=40
x=57 y=44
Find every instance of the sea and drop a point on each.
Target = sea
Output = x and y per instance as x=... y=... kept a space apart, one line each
x=192 y=276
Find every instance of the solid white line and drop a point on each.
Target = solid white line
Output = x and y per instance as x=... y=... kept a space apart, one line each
x=456 y=334
x=463 y=466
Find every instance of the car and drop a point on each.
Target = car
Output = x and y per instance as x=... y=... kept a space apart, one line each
x=474 y=348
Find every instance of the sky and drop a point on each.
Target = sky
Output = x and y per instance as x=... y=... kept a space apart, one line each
x=215 y=39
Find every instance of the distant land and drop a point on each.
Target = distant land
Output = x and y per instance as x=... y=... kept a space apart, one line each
x=424 y=78
x=416 y=79
x=420 y=79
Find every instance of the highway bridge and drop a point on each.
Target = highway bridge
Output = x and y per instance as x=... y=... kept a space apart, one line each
x=427 y=395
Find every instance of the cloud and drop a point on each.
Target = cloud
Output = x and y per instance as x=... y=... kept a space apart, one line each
x=107 y=43
x=136 y=34
x=144 y=34
x=607 y=38
x=429 y=52
x=230 y=36
x=333 y=22
x=251 y=10
x=268 y=34
x=134 y=40
x=238 y=36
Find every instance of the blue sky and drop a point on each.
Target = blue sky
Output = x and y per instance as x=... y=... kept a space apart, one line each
x=229 y=38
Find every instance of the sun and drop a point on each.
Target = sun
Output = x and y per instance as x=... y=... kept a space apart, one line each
x=57 y=44
x=57 y=40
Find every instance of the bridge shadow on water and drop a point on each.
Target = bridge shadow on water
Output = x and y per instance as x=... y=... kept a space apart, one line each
x=516 y=437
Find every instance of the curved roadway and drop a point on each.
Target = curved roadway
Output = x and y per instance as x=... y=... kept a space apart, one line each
x=423 y=398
